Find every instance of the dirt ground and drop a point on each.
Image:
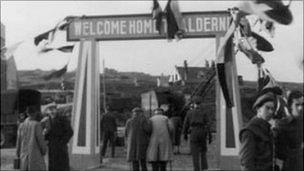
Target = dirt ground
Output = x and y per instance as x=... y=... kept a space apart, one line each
x=181 y=162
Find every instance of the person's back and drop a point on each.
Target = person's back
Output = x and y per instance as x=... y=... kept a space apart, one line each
x=108 y=131
x=160 y=146
x=137 y=133
x=108 y=123
x=31 y=146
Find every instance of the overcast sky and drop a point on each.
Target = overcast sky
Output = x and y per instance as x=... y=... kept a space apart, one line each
x=24 y=20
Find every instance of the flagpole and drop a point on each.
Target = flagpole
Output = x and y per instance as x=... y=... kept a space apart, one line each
x=104 y=86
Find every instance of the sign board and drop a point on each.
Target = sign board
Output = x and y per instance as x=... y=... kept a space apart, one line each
x=142 y=26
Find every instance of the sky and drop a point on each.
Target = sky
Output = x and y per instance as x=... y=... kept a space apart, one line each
x=25 y=20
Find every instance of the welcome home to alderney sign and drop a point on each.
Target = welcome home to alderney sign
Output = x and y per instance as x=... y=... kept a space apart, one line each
x=86 y=111
x=142 y=26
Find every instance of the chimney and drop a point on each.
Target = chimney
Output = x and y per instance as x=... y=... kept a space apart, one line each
x=213 y=64
x=185 y=69
x=206 y=64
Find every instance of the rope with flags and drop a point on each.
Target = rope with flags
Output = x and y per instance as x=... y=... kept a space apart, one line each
x=248 y=42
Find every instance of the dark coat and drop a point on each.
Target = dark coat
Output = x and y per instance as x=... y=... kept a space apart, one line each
x=198 y=121
x=137 y=133
x=256 y=151
x=58 y=137
x=289 y=139
x=177 y=124
x=108 y=123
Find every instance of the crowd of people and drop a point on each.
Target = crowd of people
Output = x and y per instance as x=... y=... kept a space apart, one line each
x=273 y=144
x=267 y=143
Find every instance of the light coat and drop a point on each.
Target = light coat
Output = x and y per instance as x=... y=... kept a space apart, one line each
x=31 y=146
x=160 y=146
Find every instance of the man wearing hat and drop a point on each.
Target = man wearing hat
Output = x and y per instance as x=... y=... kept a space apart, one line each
x=198 y=121
x=138 y=129
x=256 y=152
x=58 y=134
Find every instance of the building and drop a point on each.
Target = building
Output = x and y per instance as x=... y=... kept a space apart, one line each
x=185 y=75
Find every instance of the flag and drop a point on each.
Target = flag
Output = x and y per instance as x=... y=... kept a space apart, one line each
x=224 y=76
x=269 y=10
x=269 y=84
x=253 y=55
x=157 y=15
x=262 y=43
x=66 y=49
x=175 y=24
x=56 y=74
x=49 y=35
x=44 y=36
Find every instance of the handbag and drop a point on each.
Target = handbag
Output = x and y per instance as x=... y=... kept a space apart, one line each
x=17 y=163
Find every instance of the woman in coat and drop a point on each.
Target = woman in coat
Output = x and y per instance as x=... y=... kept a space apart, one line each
x=137 y=133
x=31 y=146
x=160 y=146
x=256 y=138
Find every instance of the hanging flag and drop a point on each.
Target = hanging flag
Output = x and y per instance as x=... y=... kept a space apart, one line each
x=262 y=43
x=175 y=24
x=269 y=84
x=44 y=36
x=49 y=35
x=56 y=74
x=269 y=10
x=157 y=14
x=253 y=55
x=245 y=31
x=66 y=49
x=224 y=76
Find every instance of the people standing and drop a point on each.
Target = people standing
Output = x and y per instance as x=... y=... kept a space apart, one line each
x=160 y=146
x=58 y=135
x=31 y=146
x=289 y=140
x=177 y=124
x=256 y=152
x=108 y=130
x=198 y=122
x=137 y=134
